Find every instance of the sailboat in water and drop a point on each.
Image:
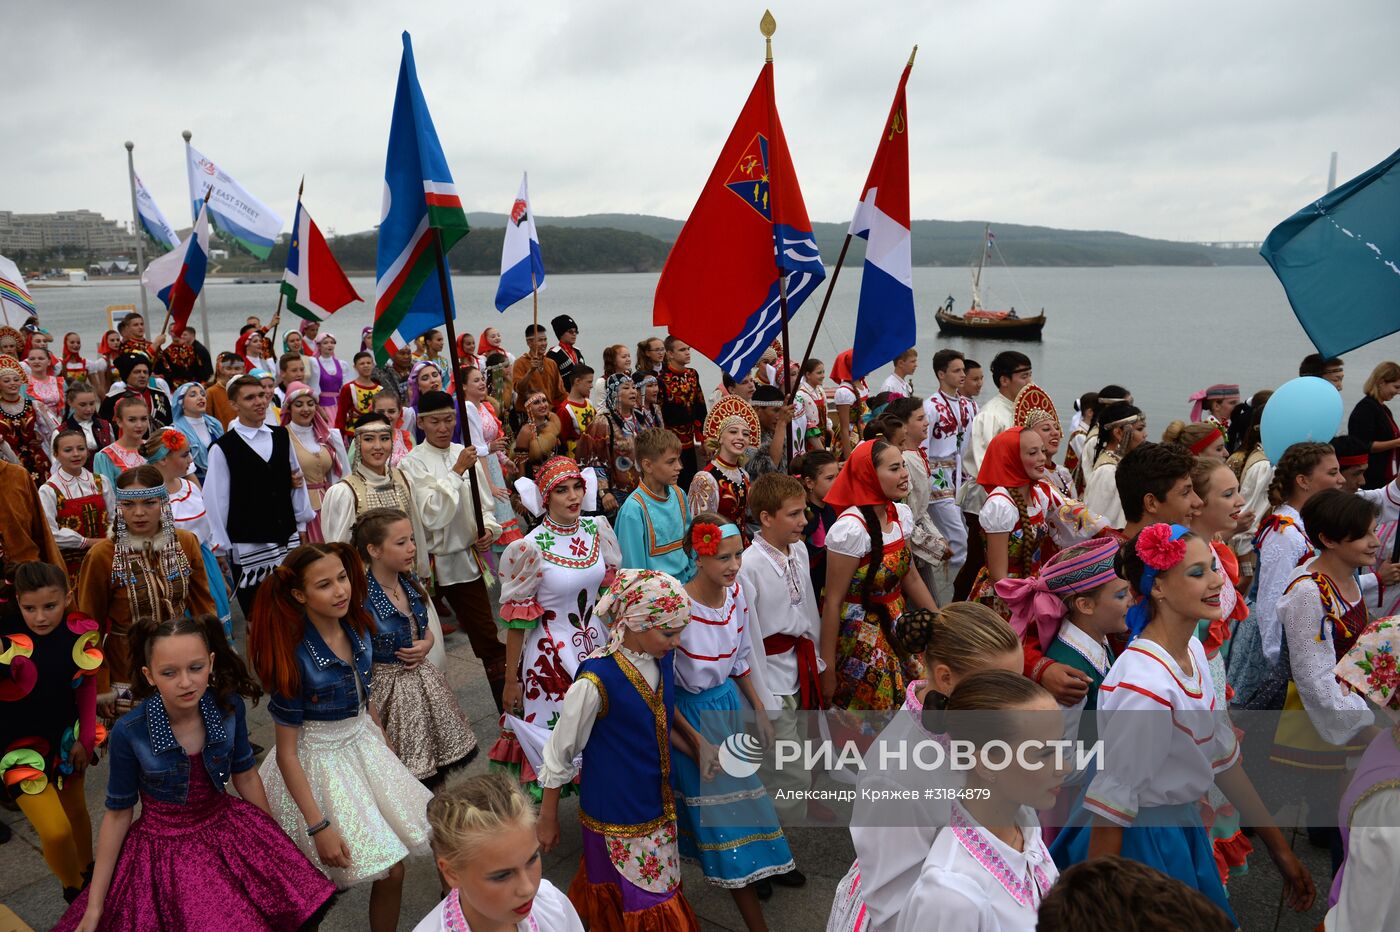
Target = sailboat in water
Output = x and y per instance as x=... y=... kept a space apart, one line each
x=982 y=322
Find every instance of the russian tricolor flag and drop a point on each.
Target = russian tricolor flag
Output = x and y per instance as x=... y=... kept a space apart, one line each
x=177 y=276
x=522 y=263
x=885 y=323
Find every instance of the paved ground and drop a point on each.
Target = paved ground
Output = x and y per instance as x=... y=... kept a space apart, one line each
x=823 y=854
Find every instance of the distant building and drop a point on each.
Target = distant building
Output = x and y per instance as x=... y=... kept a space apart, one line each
x=78 y=230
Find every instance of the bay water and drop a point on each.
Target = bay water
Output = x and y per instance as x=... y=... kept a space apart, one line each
x=1162 y=332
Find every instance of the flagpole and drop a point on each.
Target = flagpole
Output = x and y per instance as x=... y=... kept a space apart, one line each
x=826 y=299
x=449 y=313
x=277 y=314
x=165 y=324
x=534 y=293
x=203 y=305
x=136 y=220
x=767 y=26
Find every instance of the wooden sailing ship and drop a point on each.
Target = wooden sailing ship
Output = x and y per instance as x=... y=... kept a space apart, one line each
x=982 y=322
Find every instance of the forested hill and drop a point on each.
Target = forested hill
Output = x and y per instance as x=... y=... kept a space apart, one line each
x=639 y=243
x=952 y=242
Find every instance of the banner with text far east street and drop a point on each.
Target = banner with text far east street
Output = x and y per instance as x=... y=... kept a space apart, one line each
x=421 y=208
x=313 y=283
x=719 y=288
x=885 y=322
x=235 y=213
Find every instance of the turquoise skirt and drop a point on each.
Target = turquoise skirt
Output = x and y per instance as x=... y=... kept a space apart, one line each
x=1168 y=838
x=727 y=824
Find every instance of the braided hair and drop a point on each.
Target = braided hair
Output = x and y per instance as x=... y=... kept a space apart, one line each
x=873 y=519
x=1121 y=411
x=470 y=811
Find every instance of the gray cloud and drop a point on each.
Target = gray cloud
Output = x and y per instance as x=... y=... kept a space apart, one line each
x=1190 y=120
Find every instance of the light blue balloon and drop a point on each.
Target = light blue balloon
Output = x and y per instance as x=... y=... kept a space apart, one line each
x=1305 y=408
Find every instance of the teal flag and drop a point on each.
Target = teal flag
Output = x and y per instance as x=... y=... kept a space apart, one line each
x=1339 y=261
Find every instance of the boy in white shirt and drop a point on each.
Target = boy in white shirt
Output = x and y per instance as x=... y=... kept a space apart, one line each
x=777 y=585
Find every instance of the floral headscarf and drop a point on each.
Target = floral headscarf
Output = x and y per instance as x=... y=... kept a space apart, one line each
x=639 y=600
x=1370 y=666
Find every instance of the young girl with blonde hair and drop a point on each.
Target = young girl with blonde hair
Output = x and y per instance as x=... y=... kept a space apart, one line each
x=485 y=846
x=955 y=642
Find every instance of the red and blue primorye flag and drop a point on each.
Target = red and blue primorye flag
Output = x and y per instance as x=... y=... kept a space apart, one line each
x=314 y=283
x=719 y=288
x=420 y=204
x=885 y=321
x=177 y=276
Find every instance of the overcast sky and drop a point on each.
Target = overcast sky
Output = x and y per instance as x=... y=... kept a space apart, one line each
x=1185 y=120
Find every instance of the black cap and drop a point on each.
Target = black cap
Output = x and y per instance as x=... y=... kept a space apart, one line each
x=563 y=324
x=428 y=402
x=125 y=362
x=767 y=396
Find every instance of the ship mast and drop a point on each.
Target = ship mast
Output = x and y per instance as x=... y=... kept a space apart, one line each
x=977 y=276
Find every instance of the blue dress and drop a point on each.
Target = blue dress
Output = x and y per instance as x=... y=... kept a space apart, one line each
x=727 y=823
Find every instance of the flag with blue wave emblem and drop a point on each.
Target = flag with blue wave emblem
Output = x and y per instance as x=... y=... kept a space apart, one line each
x=719 y=289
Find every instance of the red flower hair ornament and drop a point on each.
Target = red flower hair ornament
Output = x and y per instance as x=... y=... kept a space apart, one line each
x=1159 y=547
x=704 y=539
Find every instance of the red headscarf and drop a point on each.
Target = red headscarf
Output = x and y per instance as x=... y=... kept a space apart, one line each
x=1002 y=466
x=484 y=349
x=841 y=368
x=857 y=483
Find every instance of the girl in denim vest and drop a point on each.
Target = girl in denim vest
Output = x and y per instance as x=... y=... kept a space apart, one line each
x=422 y=719
x=333 y=783
x=196 y=857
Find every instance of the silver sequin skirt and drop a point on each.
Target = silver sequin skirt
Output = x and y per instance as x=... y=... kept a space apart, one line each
x=371 y=798
x=423 y=721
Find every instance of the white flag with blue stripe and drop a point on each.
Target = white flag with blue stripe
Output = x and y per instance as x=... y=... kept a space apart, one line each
x=153 y=220
x=522 y=263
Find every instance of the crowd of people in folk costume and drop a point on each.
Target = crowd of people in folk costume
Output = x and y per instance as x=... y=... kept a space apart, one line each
x=645 y=566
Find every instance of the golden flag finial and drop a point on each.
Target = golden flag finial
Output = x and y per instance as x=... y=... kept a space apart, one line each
x=911 y=57
x=768 y=25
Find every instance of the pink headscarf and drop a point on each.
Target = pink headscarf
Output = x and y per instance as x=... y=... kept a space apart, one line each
x=320 y=424
x=1038 y=600
x=1219 y=390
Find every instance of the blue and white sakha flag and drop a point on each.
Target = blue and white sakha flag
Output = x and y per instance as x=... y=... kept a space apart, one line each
x=1339 y=261
x=235 y=212
x=177 y=277
x=520 y=256
x=153 y=220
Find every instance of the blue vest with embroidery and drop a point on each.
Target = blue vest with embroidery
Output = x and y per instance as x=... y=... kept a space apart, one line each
x=626 y=785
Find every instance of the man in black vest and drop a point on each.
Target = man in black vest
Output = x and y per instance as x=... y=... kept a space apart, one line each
x=254 y=494
x=563 y=352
